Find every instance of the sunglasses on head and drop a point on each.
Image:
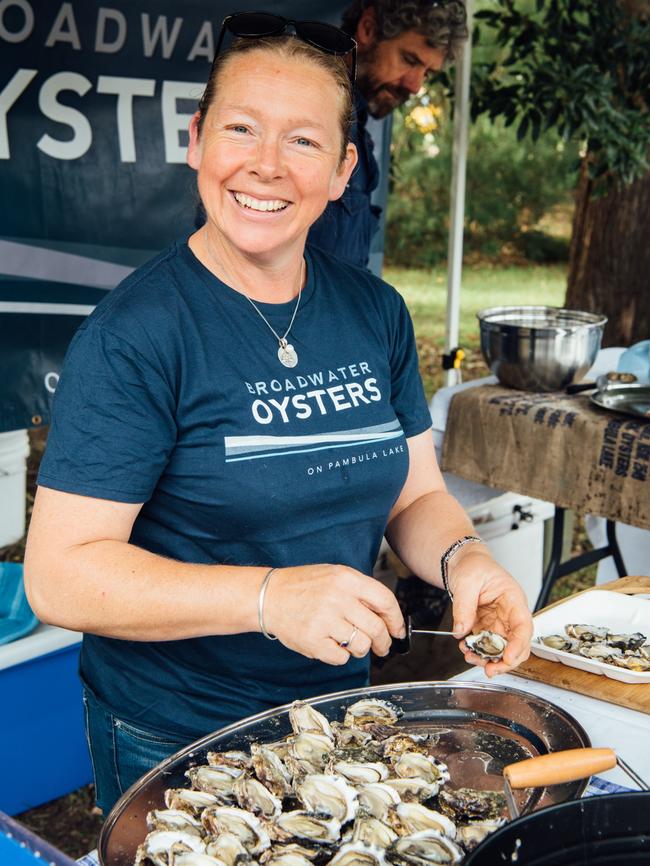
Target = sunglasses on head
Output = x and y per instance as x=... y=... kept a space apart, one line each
x=257 y=25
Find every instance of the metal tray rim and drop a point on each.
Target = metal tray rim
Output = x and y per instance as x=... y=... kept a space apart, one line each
x=626 y=391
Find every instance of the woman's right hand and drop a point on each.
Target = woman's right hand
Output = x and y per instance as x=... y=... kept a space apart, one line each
x=312 y=609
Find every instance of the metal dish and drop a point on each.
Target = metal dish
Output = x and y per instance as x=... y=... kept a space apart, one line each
x=633 y=399
x=479 y=729
x=539 y=348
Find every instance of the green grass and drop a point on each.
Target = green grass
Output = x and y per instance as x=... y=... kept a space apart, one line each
x=425 y=292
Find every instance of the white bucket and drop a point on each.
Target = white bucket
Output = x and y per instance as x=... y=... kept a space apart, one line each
x=14 y=451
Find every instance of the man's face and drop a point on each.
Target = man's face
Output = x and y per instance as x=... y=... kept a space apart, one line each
x=391 y=70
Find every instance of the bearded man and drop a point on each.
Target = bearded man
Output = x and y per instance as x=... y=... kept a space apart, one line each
x=400 y=44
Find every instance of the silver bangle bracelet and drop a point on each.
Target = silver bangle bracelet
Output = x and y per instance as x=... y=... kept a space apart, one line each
x=260 y=604
x=447 y=555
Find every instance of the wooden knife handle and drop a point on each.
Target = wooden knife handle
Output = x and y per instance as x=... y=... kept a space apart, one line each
x=557 y=767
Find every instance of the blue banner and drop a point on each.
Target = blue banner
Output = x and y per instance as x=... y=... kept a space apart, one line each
x=95 y=101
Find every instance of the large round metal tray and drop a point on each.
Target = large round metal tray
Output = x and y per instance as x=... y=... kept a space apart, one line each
x=478 y=729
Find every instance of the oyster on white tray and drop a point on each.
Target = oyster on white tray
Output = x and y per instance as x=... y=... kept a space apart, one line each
x=620 y=614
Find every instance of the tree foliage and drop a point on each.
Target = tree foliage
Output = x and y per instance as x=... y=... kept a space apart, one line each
x=578 y=66
x=510 y=185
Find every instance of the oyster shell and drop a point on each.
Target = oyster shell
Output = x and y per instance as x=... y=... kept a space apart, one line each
x=487 y=644
x=328 y=796
x=596 y=642
x=644 y=651
x=309 y=853
x=253 y=796
x=308 y=753
x=271 y=770
x=371 y=710
x=189 y=800
x=626 y=641
x=414 y=765
x=350 y=737
x=411 y=790
x=398 y=744
x=279 y=748
x=372 y=832
x=174 y=819
x=359 y=773
x=469 y=804
x=288 y=858
x=219 y=781
x=233 y=758
x=631 y=662
x=377 y=798
x=471 y=835
x=370 y=754
x=304 y=718
x=424 y=848
x=192 y=858
x=228 y=848
x=560 y=642
x=154 y=851
x=598 y=650
x=229 y=819
x=358 y=854
x=587 y=633
x=409 y=818
x=300 y=825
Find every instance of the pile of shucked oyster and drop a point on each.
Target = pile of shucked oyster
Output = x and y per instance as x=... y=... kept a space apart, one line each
x=364 y=792
x=629 y=651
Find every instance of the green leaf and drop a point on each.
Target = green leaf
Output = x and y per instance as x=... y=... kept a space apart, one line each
x=552 y=115
x=522 y=129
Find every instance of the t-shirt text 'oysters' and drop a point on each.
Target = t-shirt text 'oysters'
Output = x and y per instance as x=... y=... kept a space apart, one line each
x=317 y=400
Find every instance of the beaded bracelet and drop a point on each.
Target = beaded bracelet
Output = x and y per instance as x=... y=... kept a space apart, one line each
x=447 y=555
x=260 y=604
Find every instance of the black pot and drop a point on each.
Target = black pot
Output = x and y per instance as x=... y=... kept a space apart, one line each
x=605 y=830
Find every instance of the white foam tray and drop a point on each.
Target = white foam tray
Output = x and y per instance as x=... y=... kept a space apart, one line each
x=622 y=614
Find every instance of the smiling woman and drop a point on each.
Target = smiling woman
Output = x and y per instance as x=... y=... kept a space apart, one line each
x=271 y=148
x=208 y=520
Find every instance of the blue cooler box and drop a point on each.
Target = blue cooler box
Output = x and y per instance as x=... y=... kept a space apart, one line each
x=20 y=847
x=43 y=751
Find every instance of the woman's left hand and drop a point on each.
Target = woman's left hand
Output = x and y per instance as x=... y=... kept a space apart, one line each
x=487 y=597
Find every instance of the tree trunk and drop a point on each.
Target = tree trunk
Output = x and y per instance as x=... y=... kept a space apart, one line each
x=609 y=263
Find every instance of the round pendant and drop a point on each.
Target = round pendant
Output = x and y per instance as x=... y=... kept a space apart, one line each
x=287 y=355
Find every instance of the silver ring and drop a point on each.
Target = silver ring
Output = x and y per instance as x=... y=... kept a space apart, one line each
x=344 y=644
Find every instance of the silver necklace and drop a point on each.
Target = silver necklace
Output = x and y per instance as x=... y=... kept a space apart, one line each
x=287 y=355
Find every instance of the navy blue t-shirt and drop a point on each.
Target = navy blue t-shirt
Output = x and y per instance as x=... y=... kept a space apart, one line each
x=172 y=395
x=347 y=226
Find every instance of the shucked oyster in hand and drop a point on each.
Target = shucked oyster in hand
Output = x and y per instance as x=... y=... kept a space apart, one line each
x=487 y=644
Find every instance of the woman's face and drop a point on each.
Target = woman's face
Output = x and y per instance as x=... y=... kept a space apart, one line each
x=268 y=157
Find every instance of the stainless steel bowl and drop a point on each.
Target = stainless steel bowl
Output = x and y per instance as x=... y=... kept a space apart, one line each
x=539 y=348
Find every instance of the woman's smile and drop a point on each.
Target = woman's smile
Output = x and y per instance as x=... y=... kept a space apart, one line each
x=257 y=205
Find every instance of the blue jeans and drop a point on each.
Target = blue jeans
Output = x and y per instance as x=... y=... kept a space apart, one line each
x=120 y=753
